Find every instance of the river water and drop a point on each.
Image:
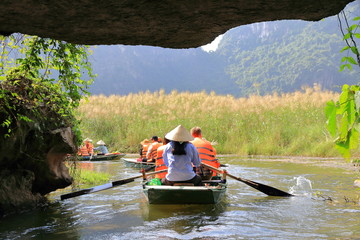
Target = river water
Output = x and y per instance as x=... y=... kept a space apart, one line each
x=325 y=207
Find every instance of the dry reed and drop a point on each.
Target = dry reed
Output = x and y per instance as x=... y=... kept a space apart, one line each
x=281 y=124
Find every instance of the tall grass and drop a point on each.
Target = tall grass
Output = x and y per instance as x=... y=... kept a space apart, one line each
x=286 y=124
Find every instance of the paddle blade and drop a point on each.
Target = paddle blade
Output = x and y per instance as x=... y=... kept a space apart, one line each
x=271 y=191
x=268 y=190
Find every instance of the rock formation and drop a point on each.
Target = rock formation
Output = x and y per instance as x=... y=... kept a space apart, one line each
x=172 y=24
x=32 y=155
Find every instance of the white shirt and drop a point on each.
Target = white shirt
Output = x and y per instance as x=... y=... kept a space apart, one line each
x=180 y=167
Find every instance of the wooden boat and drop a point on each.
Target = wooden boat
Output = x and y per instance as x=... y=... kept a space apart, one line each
x=100 y=157
x=132 y=162
x=212 y=193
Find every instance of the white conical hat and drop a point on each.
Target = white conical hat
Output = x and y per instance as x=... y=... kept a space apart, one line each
x=179 y=134
x=101 y=142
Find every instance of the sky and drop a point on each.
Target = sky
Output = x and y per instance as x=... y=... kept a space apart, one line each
x=211 y=47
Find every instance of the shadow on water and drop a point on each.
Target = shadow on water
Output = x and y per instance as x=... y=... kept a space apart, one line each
x=46 y=222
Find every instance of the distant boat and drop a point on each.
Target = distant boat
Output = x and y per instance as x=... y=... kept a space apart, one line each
x=134 y=163
x=213 y=192
x=102 y=157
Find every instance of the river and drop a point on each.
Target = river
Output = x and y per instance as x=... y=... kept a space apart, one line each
x=325 y=207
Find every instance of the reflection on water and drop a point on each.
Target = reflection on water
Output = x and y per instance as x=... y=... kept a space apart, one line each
x=245 y=213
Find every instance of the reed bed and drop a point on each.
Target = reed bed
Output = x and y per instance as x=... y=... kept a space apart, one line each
x=277 y=124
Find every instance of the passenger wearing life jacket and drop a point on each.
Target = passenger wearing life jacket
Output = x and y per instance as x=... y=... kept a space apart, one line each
x=83 y=151
x=87 y=148
x=159 y=163
x=144 y=148
x=207 y=152
x=151 y=154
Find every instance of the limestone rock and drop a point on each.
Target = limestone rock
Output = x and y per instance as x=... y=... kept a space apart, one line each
x=32 y=156
x=172 y=24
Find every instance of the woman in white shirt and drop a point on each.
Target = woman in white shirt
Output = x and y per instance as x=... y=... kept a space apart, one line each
x=180 y=156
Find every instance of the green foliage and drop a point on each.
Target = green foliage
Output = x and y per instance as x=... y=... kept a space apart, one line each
x=303 y=55
x=41 y=78
x=91 y=178
x=83 y=177
x=350 y=39
x=343 y=116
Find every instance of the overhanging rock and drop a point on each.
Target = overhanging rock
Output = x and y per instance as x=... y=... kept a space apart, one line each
x=172 y=24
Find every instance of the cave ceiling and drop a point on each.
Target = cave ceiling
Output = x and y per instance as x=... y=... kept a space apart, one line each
x=171 y=24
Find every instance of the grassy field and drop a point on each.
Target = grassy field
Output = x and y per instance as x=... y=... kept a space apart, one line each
x=287 y=124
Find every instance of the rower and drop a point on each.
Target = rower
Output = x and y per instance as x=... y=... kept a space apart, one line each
x=207 y=153
x=151 y=154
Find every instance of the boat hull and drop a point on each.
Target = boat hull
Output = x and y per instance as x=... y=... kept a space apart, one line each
x=129 y=162
x=164 y=194
x=102 y=157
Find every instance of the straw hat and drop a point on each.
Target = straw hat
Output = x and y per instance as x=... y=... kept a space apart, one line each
x=101 y=142
x=179 y=134
x=87 y=140
x=145 y=141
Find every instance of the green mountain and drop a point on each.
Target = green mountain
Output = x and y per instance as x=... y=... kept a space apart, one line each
x=260 y=58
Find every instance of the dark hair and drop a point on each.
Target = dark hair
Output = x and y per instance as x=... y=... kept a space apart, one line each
x=166 y=141
x=179 y=149
x=155 y=138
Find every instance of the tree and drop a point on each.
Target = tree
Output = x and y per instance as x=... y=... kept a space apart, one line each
x=343 y=117
x=45 y=75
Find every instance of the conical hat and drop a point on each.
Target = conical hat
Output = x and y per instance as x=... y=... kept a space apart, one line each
x=87 y=140
x=145 y=141
x=101 y=142
x=179 y=134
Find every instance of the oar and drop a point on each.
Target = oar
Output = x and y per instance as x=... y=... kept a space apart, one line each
x=149 y=168
x=105 y=186
x=271 y=191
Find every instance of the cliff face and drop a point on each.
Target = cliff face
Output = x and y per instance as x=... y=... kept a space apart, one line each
x=32 y=155
x=172 y=24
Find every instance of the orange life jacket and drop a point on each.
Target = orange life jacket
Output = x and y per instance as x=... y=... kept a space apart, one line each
x=159 y=163
x=83 y=151
x=153 y=153
x=90 y=148
x=207 y=152
x=144 y=150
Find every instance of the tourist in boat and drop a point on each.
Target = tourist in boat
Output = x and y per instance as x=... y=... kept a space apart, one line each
x=180 y=156
x=143 y=149
x=90 y=146
x=151 y=154
x=159 y=163
x=87 y=149
x=101 y=148
x=207 y=153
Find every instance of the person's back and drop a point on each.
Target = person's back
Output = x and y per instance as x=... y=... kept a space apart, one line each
x=159 y=163
x=180 y=156
x=207 y=152
x=151 y=154
x=90 y=148
x=83 y=151
x=101 y=147
x=144 y=148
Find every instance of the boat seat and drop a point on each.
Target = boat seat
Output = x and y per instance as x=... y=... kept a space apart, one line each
x=183 y=184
